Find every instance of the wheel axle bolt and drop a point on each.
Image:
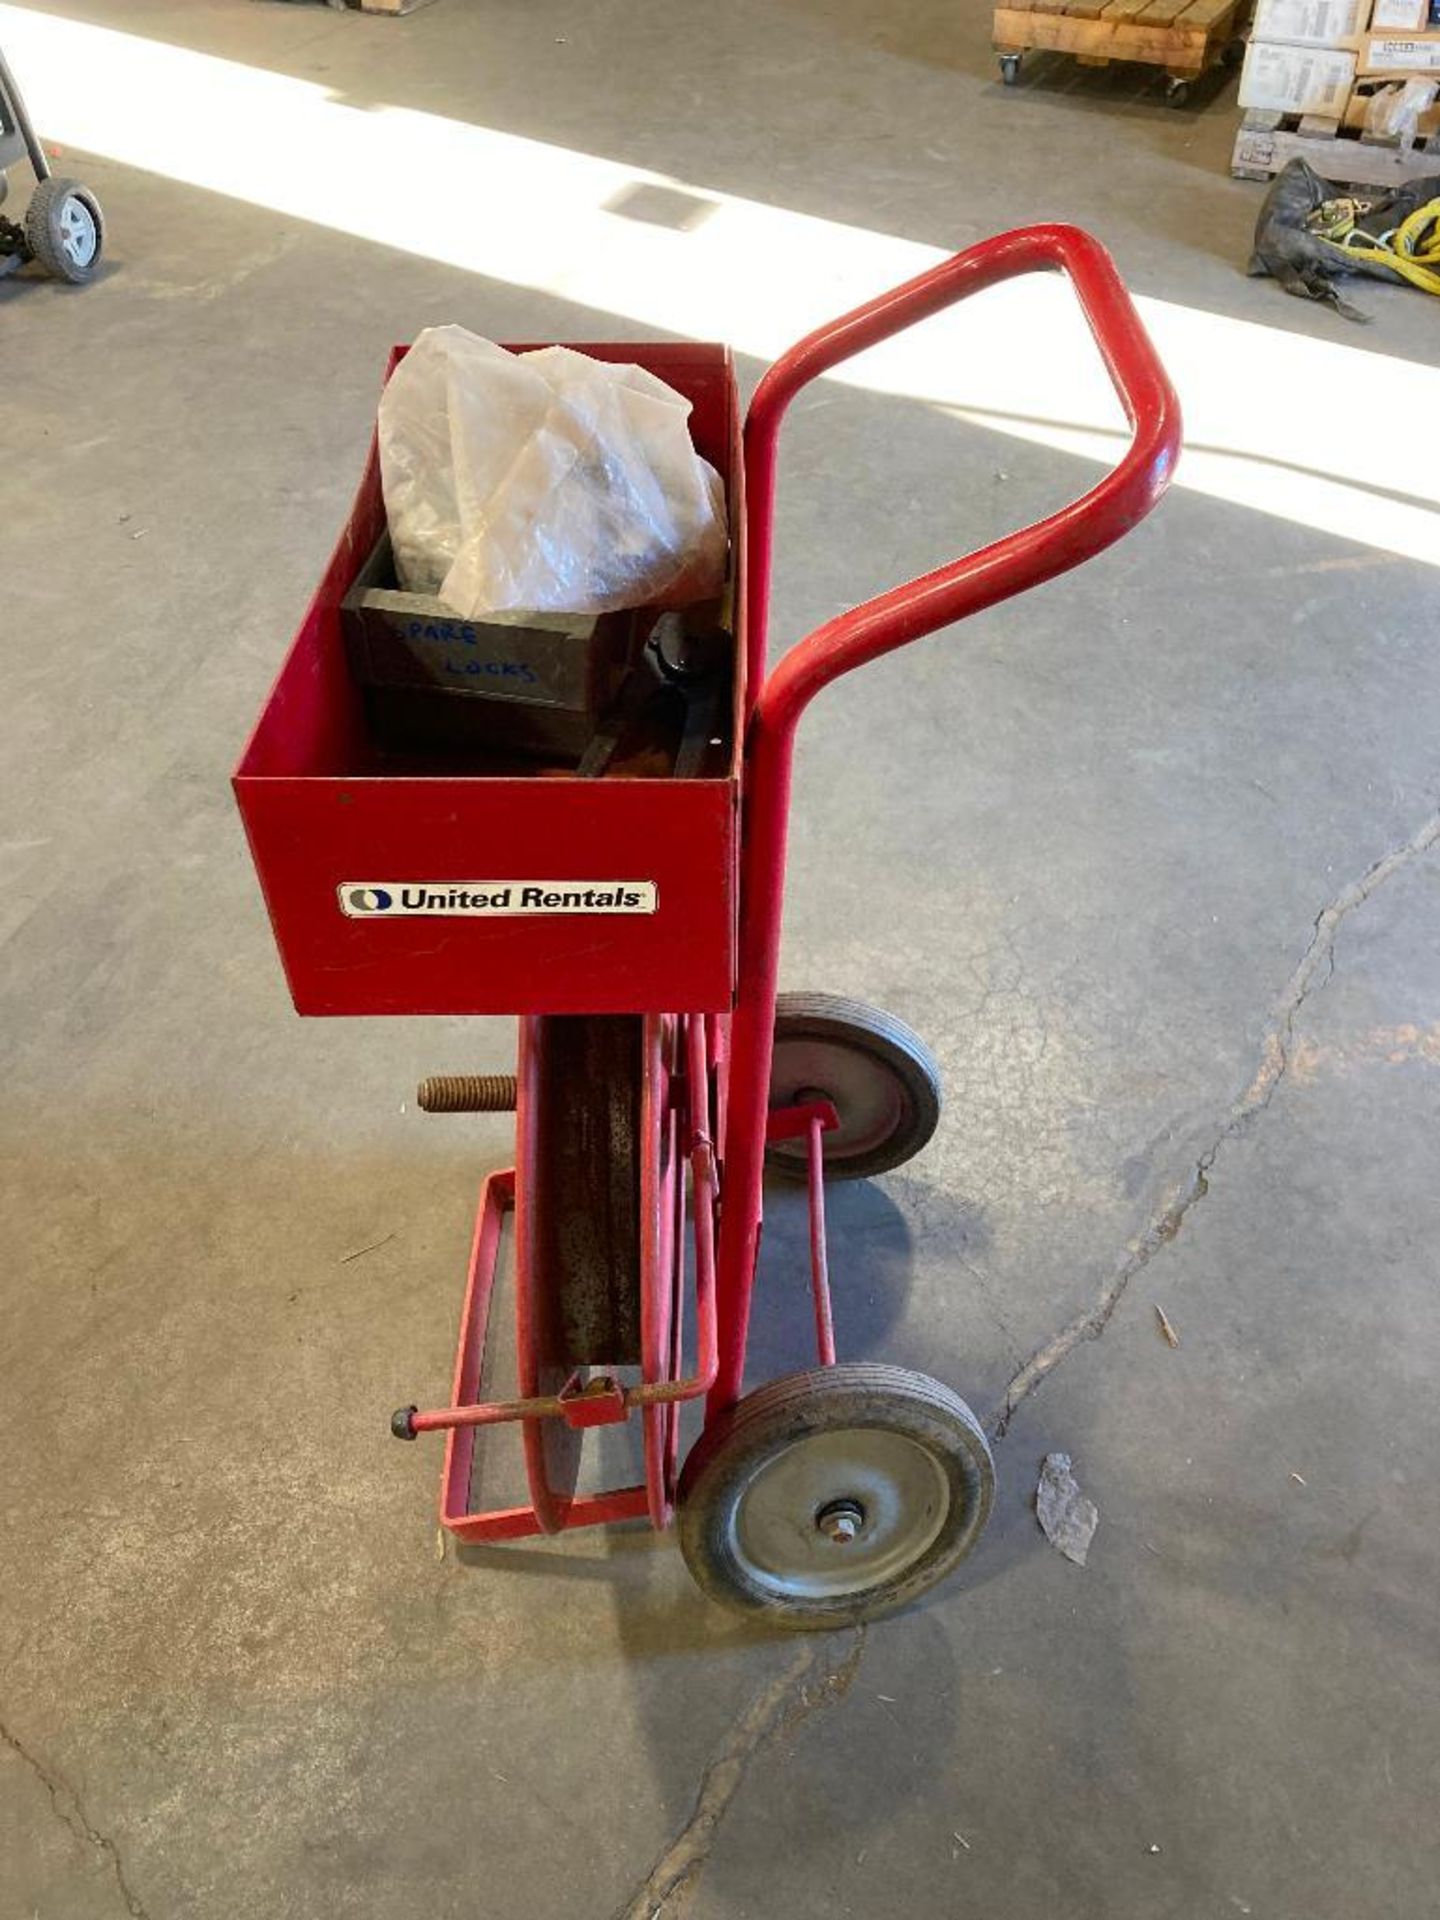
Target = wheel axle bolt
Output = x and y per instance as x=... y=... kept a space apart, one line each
x=841 y=1521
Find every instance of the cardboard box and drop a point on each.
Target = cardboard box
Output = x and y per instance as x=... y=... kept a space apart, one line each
x=1399 y=16
x=1283 y=79
x=1310 y=23
x=1401 y=53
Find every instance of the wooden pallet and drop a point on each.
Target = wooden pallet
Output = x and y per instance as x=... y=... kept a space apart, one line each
x=1185 y=37
x=1268 y=142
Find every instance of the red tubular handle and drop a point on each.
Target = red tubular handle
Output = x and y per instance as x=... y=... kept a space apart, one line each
x=1007 y=566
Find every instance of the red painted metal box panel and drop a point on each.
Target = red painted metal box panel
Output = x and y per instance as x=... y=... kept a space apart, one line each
x=324 y=810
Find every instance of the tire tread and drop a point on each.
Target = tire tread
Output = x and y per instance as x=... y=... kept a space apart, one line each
x=40 y=236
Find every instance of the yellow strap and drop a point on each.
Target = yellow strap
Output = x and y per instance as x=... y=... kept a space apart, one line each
x=1412 y=250
x=1419 y=276
x=1419 y=235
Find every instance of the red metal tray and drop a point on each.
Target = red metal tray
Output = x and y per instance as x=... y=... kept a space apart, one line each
x=332 y=824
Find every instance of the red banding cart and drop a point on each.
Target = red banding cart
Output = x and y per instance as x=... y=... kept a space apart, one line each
x=633 y=922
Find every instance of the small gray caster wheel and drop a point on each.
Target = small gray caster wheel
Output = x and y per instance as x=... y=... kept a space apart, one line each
x=1009 y=68
x=1177 y=92
x=835 y=1496
x=65 y=230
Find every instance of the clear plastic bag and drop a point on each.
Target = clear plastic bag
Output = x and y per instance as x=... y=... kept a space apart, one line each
x=544 y=482
x=1393 y=113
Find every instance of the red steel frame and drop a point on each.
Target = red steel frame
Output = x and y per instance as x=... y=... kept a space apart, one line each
x=734 y=1054
x=599 y=1402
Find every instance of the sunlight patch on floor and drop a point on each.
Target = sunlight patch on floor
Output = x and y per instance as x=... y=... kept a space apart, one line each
x=1319 y=432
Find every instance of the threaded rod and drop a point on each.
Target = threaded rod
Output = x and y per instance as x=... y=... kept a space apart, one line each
x=467 y=1093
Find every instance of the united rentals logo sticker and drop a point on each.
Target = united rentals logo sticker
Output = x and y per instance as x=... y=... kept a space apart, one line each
x=492 y=899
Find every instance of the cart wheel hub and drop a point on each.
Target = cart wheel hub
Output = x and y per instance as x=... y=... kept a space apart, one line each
x=78 y=234
x=840 y=1521
x=876 y=1493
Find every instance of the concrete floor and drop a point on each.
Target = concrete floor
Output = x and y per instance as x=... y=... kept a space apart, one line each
x=1174 y=823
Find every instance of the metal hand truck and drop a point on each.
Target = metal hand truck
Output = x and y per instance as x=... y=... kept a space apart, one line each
x=825 y=1496
x=63 y=229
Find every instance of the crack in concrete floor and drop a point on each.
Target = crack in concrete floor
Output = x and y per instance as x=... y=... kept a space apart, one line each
x=807 y=1683
x=69 y=1810
x=1168 y=1219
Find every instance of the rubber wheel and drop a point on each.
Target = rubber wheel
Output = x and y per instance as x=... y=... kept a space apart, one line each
x=881 y=1077
x=1010 y=69
x=65 y=230
x=831 y=1497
